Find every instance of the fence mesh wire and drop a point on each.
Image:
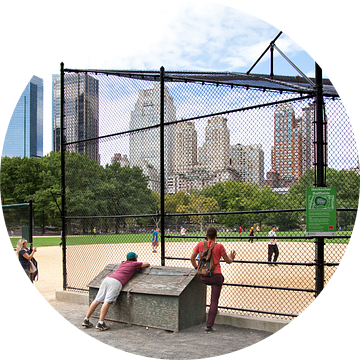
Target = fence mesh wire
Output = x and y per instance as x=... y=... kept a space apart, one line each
x=16 y=218
x=236 y=158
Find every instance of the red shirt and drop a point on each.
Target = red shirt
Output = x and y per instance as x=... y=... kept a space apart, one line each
x=217 y=252
x=125 y=271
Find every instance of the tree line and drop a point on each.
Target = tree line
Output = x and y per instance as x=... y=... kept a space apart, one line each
x=95 y=190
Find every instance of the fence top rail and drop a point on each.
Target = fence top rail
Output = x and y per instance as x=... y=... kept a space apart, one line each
x=263 y=82
x=304 y=237
x=15 y=206
x=250 y=212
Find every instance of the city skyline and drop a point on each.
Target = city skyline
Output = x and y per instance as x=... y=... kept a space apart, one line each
x=216 y=160
x=255 y=32
x=184 y=159
x=244 y=129
x=216 y=155
x=298 y=157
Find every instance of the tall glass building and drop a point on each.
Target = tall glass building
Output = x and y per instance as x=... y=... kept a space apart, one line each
x=81 y=114
x=24 y=136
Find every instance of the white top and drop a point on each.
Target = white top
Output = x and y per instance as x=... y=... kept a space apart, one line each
x=183 y=231
x=272 y=234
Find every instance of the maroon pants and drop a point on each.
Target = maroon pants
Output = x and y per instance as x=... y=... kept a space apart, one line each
x=215 y=280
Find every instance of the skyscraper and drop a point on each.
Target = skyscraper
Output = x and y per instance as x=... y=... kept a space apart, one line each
x=308 y=134
x=185 y=147
x=286 y=154
x=24 y=136
x=81 y=114
x=145 y=144
x=214 y=163
x=215 y=153
x=248 y=161
x=56 y=112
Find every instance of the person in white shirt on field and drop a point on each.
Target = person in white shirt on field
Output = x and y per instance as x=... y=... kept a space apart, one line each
x=272 y=246
x=183 y=232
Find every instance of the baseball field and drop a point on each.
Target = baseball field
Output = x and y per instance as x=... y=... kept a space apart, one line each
x=143 y=238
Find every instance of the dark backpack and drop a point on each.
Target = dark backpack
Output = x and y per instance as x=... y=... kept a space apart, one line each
x=35 y=275
x=206 y=263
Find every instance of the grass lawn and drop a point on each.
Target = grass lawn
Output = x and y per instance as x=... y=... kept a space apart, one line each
x=141 y=238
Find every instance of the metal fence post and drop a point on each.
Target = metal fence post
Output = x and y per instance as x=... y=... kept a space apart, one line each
x=31 y=223
x=62 y=149
x=162 y=166
x=320 y=174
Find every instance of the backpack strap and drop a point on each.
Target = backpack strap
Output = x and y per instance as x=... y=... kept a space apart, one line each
x=211 y=249
x=205 y=244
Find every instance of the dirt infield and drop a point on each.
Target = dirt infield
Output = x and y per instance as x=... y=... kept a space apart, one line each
x=84 y=262
x=50 y=271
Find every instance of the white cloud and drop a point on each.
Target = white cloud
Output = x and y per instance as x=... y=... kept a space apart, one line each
x=200 y=36
x=176 y=34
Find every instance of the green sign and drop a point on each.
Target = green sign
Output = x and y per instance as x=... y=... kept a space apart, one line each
x=321 y=211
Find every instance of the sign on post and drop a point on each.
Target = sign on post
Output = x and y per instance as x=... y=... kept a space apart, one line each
x=321 y=211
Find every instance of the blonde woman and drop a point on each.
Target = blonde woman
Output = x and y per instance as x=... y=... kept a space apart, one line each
x=24 y=256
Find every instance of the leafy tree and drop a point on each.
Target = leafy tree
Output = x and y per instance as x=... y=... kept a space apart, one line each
x=47 y=199
x=238 y=196
x=199 y=204
x=114 y=190
x=126 y=192
x=19 y=179
x=19 y=183
x=90 y=188
x=173 y=201
x=83 y=181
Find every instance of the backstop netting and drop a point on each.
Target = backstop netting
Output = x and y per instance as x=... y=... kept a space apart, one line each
x=148 y=150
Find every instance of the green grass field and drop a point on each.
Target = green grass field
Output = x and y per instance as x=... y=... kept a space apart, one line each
x=40 y=241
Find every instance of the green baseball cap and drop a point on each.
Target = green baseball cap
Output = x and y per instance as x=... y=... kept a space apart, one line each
x=131 y=256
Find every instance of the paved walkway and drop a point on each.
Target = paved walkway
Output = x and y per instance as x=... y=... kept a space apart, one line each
x=191 y=343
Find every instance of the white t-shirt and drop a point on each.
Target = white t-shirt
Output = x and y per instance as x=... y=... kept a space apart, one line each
x=183 y=231
x=272 y=234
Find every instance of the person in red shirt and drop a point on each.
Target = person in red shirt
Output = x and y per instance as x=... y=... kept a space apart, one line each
x=216 y=279
x=110 y=289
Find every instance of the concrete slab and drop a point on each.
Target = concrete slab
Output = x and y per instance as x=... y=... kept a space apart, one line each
x=162 y=344
x=244 y=322
x=251 y=322
x=73 y=297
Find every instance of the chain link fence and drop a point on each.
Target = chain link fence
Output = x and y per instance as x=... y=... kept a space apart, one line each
x=172 y=150
x=19 y=222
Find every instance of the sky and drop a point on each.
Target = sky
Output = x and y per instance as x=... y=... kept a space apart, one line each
x=176 y=34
